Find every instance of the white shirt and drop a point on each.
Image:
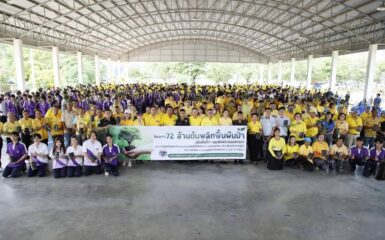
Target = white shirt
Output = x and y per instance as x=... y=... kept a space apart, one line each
x=77 y=152
x=62 y=159
x=283 y=129
x=268 y=125
x=39 y=149
x=68 y=118
x=3 y=109
x=95 y=148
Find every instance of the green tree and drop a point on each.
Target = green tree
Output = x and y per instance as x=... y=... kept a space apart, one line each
x=220 y=73
x=193 y=70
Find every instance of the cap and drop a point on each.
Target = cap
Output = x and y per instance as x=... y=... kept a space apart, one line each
x=307 y=139
x=354 y=109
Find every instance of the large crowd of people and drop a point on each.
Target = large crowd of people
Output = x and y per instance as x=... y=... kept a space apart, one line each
x=287 y=127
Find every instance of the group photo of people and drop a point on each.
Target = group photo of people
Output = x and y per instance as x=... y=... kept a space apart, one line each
x=65 y=131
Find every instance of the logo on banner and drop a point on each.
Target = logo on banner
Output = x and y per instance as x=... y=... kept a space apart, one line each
x=162 y=153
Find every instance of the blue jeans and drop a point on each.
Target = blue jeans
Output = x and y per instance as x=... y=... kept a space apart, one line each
x=369 y=142
x=67 y=139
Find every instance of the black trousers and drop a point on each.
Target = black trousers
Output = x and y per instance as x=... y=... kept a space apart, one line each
x=12 y=171
x=60 y=172
x=292 y=162
x=307 y=165
x=354 y=162
x=26 y=139
x=370 y=168
x=76 y=171
x=320 y=163
x=88 y=170
x=255 y=147
x=39 y=171
x=274 y=163
x=111 y=169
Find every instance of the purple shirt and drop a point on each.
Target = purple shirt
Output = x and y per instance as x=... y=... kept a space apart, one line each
x=11 y=107
x=107 y=105
x=30 y=106
x=43 y=107
x=361 y=153
x=374 y=154
x=15 y=152
x=111 y=152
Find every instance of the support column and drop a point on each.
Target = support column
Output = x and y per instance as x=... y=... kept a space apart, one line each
x=370 y=71
x=32 y=66
x=109 y=70
x=97 y=70
x=269 y=73
x=80 y=68
x=279 y=71
x=309 y=71
x=19 y=62
x=292 y=72
x=333 y=71
x=56 y=70
x=127 y=69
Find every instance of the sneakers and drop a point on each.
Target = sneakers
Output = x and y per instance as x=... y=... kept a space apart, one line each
x=124 y=163
x=106 y=173
x=129 y=163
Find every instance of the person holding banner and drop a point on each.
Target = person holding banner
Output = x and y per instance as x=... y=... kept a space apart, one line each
x=183 y=120
x=169 y=118
x=195 y=119
x=17 y=153
x=75 y=158
x=210 y=120
x=254 y=138
x=110 y=154
x=38 y=153
x=225 y=120
x=59 y=165
x=92 y=151
x=277 y=150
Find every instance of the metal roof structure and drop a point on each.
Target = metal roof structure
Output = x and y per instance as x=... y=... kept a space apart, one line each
x=269 y=30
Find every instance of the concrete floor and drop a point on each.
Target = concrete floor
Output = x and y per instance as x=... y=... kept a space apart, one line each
x=194 y=201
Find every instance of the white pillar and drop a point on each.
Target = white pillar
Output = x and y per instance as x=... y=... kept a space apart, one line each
x=370 y=71
x=127 y=69
x=109 y=70
x=80 y=68
x=309 y=71
x=279 y=71
x=261 y=68
x=97 y=70
x=269 y=73
x=19 y=62
x=292 y=72
x=56 y=70
x=333 y=71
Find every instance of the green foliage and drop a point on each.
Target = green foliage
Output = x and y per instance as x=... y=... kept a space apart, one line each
x=194 y=70
x=219 y=73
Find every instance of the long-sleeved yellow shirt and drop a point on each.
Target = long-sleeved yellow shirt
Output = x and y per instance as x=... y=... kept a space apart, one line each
x=277 y=145
x=296 y=128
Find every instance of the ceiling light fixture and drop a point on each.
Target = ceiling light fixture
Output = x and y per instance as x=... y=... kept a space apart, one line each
x=381 y=8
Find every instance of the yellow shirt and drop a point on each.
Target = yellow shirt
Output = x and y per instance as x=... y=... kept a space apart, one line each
x=296 y=128
x=290 y=150
x=311 y=131
x=9 y=127
x=138 y=123
x=1 y=127
x=195 y=121
x=254 y=127
x=126 y=122
x=225 y=121
x=55 y=124
x=319 y=147
x=166 y=120
x=343 y=150
x=24 y=123
x=209 y=122
x=152 y=121
x=369 y=122
x=38 y=123
x=277 y=145
x=353 y=124
x=305 y=151
x=343 y=126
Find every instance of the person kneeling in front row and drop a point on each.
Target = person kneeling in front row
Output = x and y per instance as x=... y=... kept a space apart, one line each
x=59 y=159
x=339 y=153
x=75 y=158
x=321 y=150
x=92 y=151
x=305 y=158
x=38 y=153
x=17 y=153
x=110 y=157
